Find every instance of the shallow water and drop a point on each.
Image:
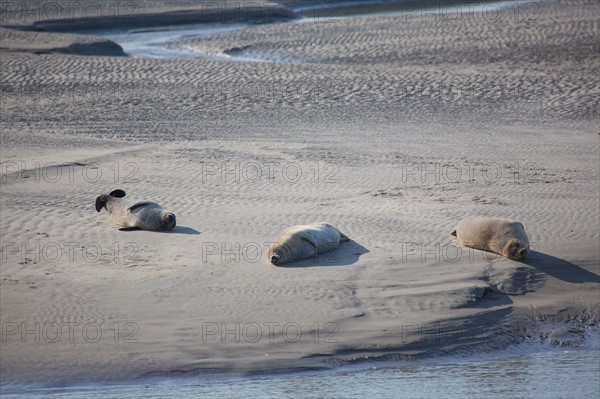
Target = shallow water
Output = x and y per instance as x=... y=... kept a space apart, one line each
x=549 y=373
x=166 y=41
x=159 y=42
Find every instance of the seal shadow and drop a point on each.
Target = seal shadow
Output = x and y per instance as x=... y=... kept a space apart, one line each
x=346 y=254
x=176 y=230
x=184 y=230
x=560 y=268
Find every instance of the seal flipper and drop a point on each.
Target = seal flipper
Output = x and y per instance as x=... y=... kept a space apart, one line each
x=308 y=239
x=453 y=233
x=344 y=237
x=309 y=242
x=129 y=228
x=117 y=193
x=139 y=205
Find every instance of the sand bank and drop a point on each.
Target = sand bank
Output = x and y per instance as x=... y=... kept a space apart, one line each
x=45 y=43
x=391 y=128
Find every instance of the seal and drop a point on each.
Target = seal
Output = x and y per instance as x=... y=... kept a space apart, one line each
x=304 y=241
x=502 y=236
x=144 y=215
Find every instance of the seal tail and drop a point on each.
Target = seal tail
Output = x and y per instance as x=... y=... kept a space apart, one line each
x=117 y=193
x=101 y=202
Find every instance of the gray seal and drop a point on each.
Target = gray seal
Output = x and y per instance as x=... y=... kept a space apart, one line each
x=144 y=215
x=304 y=241
x=502 y=236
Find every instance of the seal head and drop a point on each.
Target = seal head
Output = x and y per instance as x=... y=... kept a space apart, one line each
x=515 y=250
x=168 y=220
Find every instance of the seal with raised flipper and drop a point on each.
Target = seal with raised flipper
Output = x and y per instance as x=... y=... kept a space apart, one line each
x=304 y=241
x=144 y=215
x=502 y=236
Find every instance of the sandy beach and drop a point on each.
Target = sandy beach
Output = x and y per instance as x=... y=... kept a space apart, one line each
x=391 y=127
